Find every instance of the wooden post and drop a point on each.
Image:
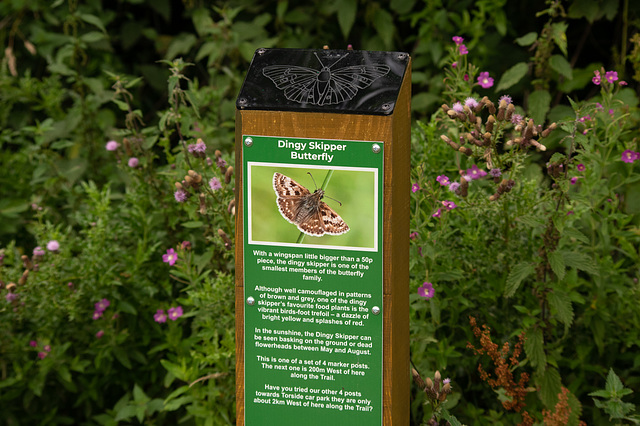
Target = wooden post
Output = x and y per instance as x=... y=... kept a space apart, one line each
x=287 y=98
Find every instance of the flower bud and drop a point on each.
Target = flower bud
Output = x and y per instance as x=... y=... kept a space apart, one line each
x=466 y=151
x=11 y=287
x=445 y=108
x=451 y=143
x=23 y=278
x=418 y=379
x=218 y=154
x=225 y=239
x=429 y=383
x=203 y=203
x=178 y=185
x=490 y=122
x=228 y=174
x=510 y=110
x=231 y=208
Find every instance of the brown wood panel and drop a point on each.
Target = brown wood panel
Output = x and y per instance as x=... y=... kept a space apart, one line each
x=394 y=131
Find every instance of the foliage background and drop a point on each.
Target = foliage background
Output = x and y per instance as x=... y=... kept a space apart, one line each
x=76 y=74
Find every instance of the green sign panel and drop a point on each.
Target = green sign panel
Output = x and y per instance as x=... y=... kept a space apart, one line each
x=312 y=281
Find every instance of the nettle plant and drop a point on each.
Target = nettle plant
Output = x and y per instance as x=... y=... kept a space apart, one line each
x=535 y=200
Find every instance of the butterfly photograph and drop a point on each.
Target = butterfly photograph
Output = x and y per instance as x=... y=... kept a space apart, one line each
x=328 y=85
x=288 y=205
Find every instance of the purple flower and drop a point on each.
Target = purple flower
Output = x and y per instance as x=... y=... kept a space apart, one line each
x=443 y=180
x=102 y=305
x=97 y=315
x=475 y=173
x=516 y=119
x=438 y=213
x=457 y=107
x=38 y=251
x=466 y=77
x=415 y=187
x=574 y=180
x=454 y=186
x=160 y=316
x=611 y=76
x=426 y=290
x=471 y=102
x=170 y=257
x=580 y=167
x=570 y=212
x=445 y=381
x=623 y=83
x=449 y=205
x=457 y=40
x=596 y=80
x=413 y=235
x=221 y=163
x=505 y=98
x=215 y=184
x=33 y=343
x=455 y=65
x=133 y=162
x=47 y=348
x=42 y=355
x=175 y=313
x=484 y=80
x=495 y=173
x=11 y=297
x=112 y=145
x=629 y=156
x=99 y=334
x=198 y=149
x=462 y=49
x=53 y=245
x=180 y=195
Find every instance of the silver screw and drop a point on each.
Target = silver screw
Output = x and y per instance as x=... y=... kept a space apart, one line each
x=375 y=310
x=251 y=301
x=248 y=141
x=261 y=51
x=376 y=148
x=386 y=107
x=402 y=56
x=242 y=101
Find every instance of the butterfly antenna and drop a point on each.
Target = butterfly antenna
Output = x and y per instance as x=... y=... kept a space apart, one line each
x=321 y=63
x=314 y=181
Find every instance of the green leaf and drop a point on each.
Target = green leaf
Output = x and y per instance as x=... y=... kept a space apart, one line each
x=560 y=303
x=539 y=103
x=174 y=369
x=450 y=418
x=519 y=272
x=122 y=356
x=534 y=348
x=560 y=64
x=579 y=261
x=531 y=221
x=512 y=76
x=93 y=20
x=402 y=7
x=528 y=39
x=556 y=261
x=559 y=34
x=193 y=224
x=614 y=384
x=92 y=37
x=347 y=15
x=383 y=22
x=574 y=233
x=550 y=386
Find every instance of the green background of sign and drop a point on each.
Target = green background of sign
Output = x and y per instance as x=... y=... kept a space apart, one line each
x=355 y=189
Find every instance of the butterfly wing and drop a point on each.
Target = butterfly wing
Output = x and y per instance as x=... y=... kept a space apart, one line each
x=288 y=193
x=345 y=82
x=331 y=221
x=298 y=83
x=313 y=226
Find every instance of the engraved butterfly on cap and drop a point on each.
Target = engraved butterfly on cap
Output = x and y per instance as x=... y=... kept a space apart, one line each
x=305 y=209
x=325 y=86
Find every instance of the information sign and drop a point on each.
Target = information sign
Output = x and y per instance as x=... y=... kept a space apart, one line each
x=313 y=280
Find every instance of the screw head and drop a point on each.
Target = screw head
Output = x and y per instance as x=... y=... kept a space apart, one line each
x=261 y=51
x=375 y=310
x=402 y=56
x=242 y=101
x=248 y=141
x=376 y=148
x=251 y=301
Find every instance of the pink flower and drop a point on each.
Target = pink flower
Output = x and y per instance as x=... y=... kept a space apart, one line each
x=47 y=348
x=475 y=173
x=443 y=180
x=457 y=40
x=112 y=145
x=99 y=334
x=457 y=107
x=449 y=205
x=215 y=184
x=53 y=245
x=426 y=290
x=581 y=167
x=622 y=83
x=102 y=305
x=180 y=195
x=133 y=162
x=11 y=297
x=413 y=235
x=505 y=98
x=597 y=79
x=574 y=180
x=175 y=313
x=462 y=49
x=415 y=187
x=438 y=213
x=38 y=251
x=97 y=315
x=484 y=80
x=33 y=343
x=198 y=149
x=160 y=316
x=466 y=77
x=454 y=65
x=42 y=355
x=611 y=76
x=170 y=257
x=629 y=156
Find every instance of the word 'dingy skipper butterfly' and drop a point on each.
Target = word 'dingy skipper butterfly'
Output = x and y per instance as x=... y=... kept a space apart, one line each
x=305 y=209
